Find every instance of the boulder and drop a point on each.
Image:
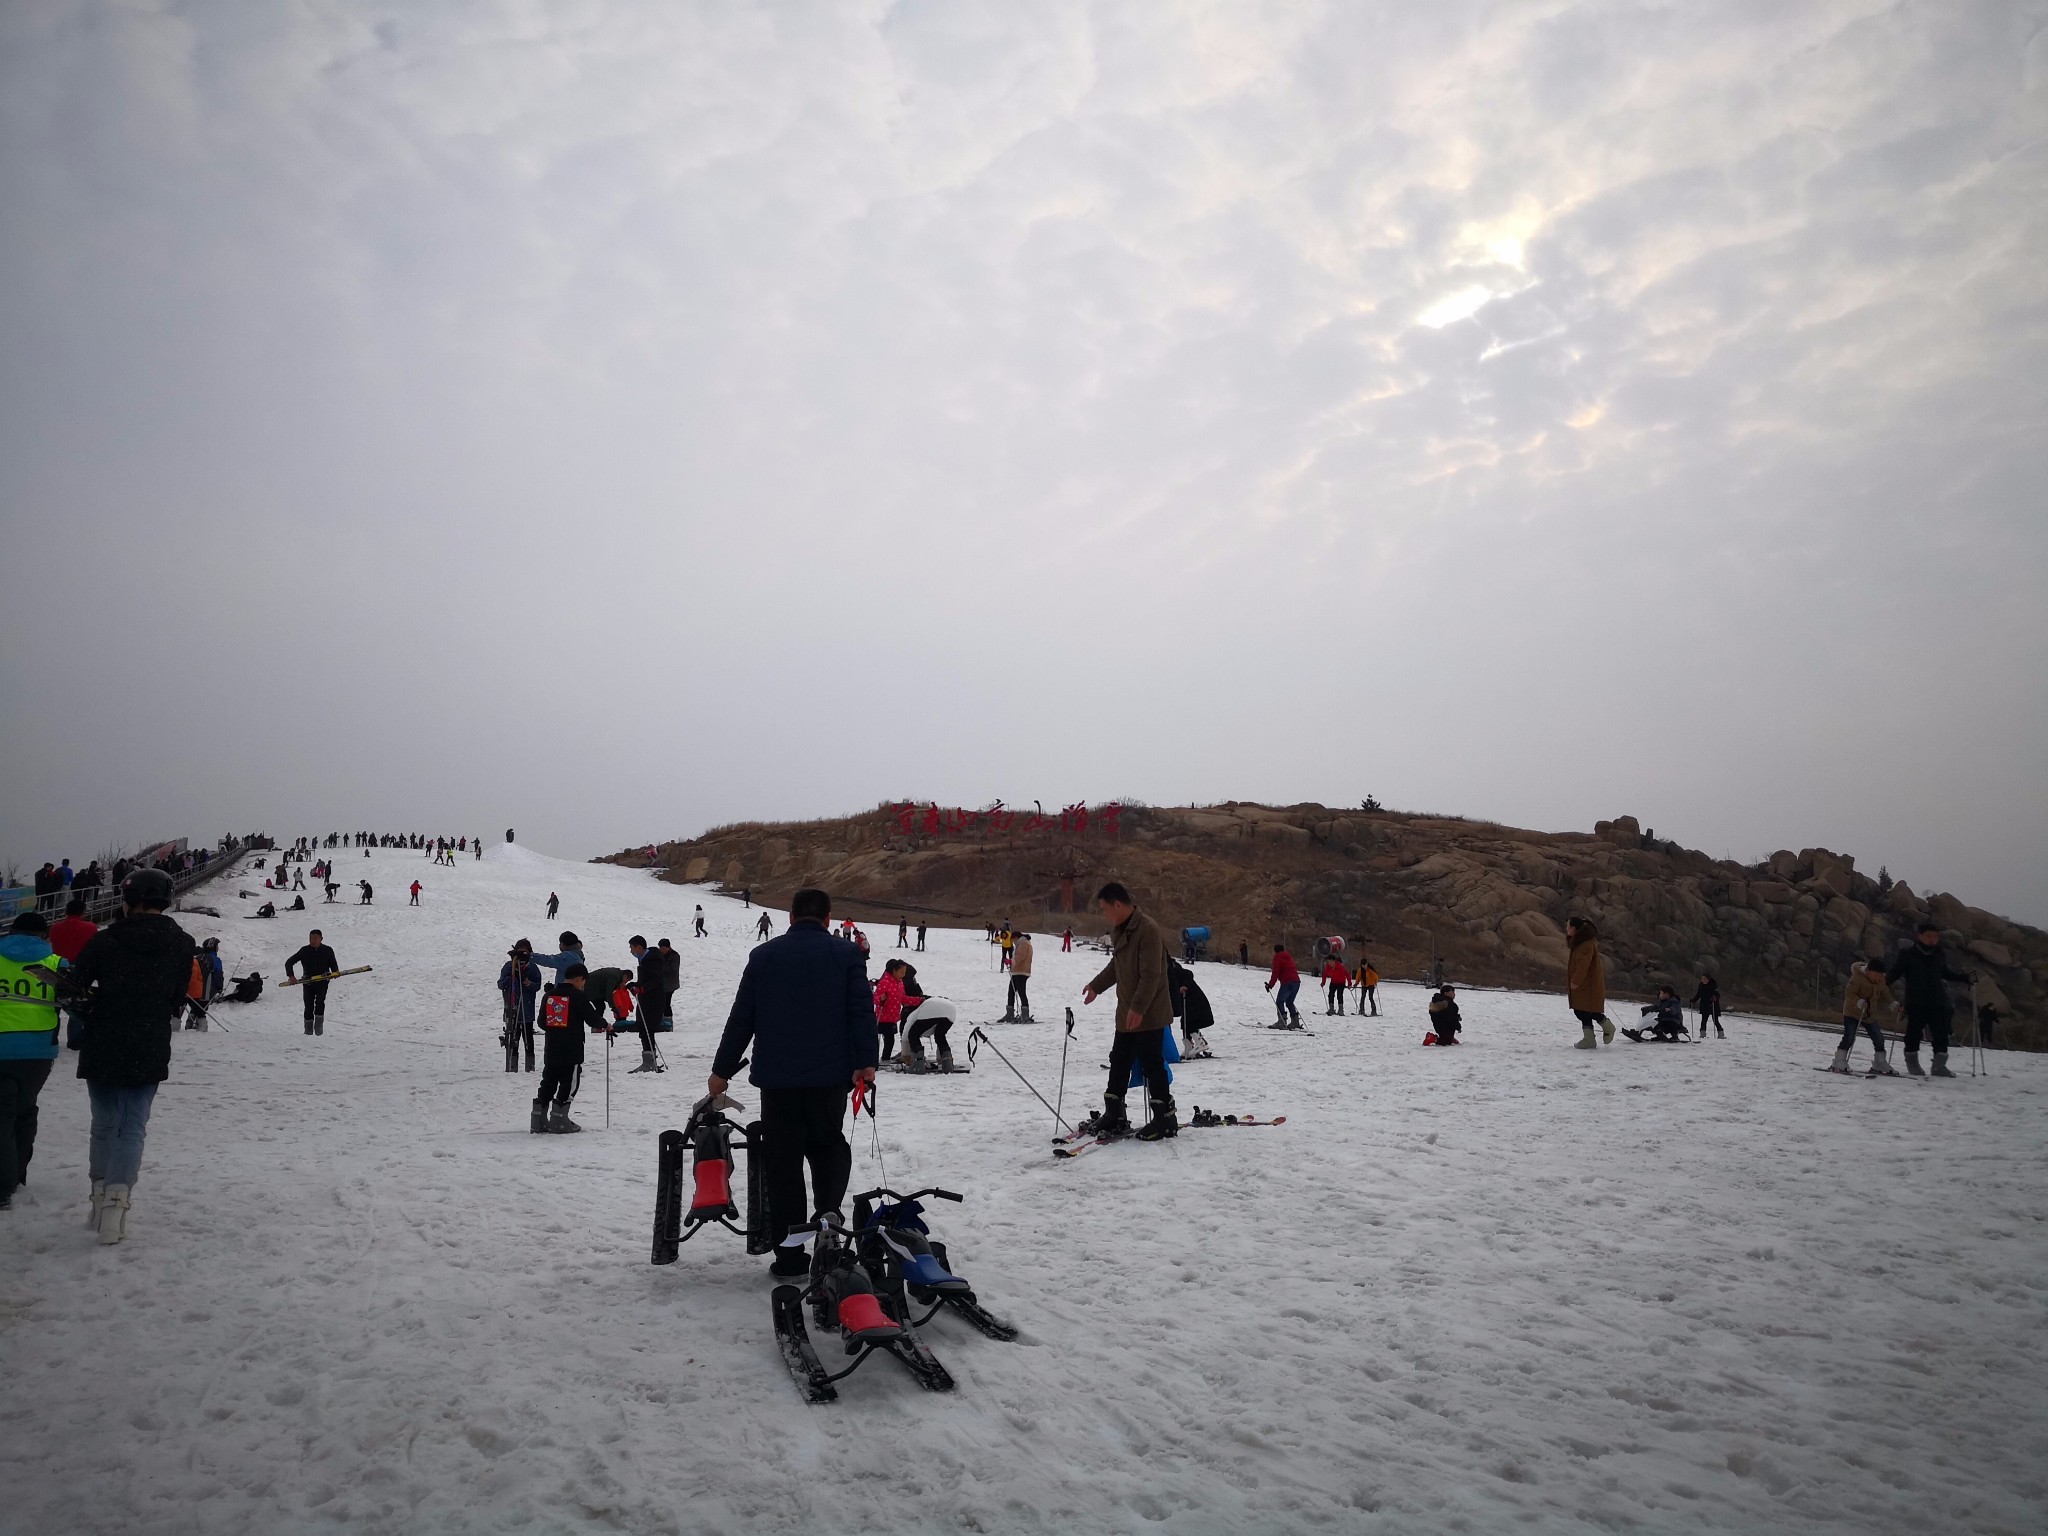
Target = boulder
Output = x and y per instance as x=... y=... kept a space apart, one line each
x=1902 y=901
x=697 y=869
x=1784 y=863
x=733 y=872
x=1623 y=831
x=1990 y=953
x=1948 y=911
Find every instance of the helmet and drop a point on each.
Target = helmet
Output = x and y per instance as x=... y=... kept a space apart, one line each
x=148 y=888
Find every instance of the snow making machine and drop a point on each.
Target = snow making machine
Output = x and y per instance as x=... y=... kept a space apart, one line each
x=1194 y=944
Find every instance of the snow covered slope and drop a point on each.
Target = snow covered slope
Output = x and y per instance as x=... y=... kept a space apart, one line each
x=1510 y=1286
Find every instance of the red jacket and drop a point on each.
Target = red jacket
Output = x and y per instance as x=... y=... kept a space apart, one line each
x=1283 y=969
x=1333 y=970
x=68 y=935
x=889 y=999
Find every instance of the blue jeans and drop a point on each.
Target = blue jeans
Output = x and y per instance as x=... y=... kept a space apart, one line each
x=1284 y=1000
x=120 y=1119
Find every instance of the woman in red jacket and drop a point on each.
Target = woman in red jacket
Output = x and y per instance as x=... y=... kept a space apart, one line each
x=1335 y=980
x=889 y=1005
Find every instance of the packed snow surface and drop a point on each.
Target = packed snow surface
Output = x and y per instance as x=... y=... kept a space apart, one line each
x=1510 y=1286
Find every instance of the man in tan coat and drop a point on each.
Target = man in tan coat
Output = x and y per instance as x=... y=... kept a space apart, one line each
x=1144 y=1012
x=1586 y=982
x=1017 y=1008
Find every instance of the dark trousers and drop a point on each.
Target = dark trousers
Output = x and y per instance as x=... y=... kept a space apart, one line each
x=804 y=1125
x=654 y=1008
x=1850 y=1024
x=920 y=941
x=1146 y=1048
x=1336 y=997
x=316 y=1006
x=1935 y=1025
x=558 y=1081
x=1369 y=995
x=20 y=1082
x=518 y=1027
x=1019 y=998
x=936 y=1028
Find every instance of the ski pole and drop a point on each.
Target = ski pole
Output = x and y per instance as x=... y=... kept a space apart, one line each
x=979 y=1038
x=1065 y=1041
x=610 y=1036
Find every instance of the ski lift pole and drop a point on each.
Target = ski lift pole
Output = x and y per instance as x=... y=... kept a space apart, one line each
x=1062 y=1097
x=978 y=1038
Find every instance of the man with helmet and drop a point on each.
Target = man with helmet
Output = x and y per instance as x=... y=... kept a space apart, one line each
x=131 y=979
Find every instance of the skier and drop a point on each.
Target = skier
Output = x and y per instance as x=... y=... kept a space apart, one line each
x=416 y=888
x=298 y=877
x=1368 y=987
x=1191 y=1007
x=519 y=985
x=1707 y=998
x=920 y=936
x=1444 y=1019
x=318 y=960
x=1020 y=982
x=567 y=1010
x=1866 y=1006
x=131 y=977
x=1335 y=979
x=746 y=897
x=554 y=902
x=364 y=887
x=903 y=933
x=888 y=1000
x=701 y=930
x=932 y=1016
x=804 y=1005
x=1288 y=980
x=571 y=954
x=1586 y=982
x=761 y=929
x=655 y=991
x=1144 y=1012
x=28 y=1040
x=1009 y=942
x=331 y=887
x=1924 y=967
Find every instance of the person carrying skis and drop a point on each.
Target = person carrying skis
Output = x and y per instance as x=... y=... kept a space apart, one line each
x=519 y=985
x=1144 y=1012
x=1288 y=980
x=319 y=961
x=1444 y=1019
x=554 y=905
x=28 y=1041
x=131 y=980
x=1707 y=999
x=889 y=999
x=1586 y=982
x=1335 y=979
x=1867 y=1006
x=804 y=1005
x=1923 y=966
x=1191 y=1007
x=1017 y=1006
x=567 y=1010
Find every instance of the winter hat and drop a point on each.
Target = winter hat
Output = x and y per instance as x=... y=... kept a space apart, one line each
x=569 y=941
x=30 y=923
x=575 y=971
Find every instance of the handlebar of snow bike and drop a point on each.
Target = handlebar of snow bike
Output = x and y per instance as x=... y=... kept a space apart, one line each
x=943 y=1194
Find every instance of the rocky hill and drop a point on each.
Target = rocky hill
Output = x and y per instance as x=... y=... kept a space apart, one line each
x=1488 y=901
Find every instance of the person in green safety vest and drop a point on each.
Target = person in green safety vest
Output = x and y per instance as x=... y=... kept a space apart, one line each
x=28 y=1042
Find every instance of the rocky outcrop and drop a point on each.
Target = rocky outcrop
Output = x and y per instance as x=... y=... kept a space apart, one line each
x=1488 y=901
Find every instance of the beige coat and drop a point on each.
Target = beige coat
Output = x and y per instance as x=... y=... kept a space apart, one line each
x=1137 y=969
x=1020 y=958
x=1869 y=998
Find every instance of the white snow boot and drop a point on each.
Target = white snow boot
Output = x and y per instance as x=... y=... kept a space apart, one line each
x=1607 y=1028
x=99 y=1198
x=646 y=1063
x=1587 y=1042
x=1839 y=1064
x=114 y=1215
x=1941 y=1065
x=1879 y=1067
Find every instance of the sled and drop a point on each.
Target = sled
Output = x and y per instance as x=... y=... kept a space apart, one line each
x=710 y=1136
x=844 y=1304
x=900 y=1256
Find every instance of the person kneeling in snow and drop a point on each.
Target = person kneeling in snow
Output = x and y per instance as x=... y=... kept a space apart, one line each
x=1444 y=1019
x=567 y=1009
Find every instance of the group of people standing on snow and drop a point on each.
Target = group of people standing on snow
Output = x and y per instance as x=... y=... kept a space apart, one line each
x=1284 y=982
x=572 y=1006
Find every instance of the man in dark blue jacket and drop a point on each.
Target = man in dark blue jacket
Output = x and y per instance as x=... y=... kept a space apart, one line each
x=805 y=1006
x=1923 y=966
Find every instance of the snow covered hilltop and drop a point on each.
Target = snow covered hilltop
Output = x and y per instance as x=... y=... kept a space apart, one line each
x=1489 y=900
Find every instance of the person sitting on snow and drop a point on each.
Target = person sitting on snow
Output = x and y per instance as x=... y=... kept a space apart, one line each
x=1444 y=1019
x=1667 y=1018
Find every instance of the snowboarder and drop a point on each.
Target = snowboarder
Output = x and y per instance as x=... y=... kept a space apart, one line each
x=1586 y=982
x=803 y=1004
x=319 y=960
x=1923 y=966
x=1285 y=977
x=28 y=1040
x=416 y=888
x=567 y=1010
x=554 y=901
x=1019 y=999
x=1144 y=1012
x=519 y=985
x=762 y=928
x=364 y=887
x=1335 y=980
x=1191 y=1006
x=1867 y=1005
x=1368 y=988
x=132 y=976
x=1444 y=1019
x=701 y=930
x=1707 y=999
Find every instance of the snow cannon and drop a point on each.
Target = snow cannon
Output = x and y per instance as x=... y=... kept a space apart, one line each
x=1194 y=943
x=709 y=1137
x=1329 y=947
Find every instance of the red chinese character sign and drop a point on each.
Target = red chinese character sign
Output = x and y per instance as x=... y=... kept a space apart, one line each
x=930 y=819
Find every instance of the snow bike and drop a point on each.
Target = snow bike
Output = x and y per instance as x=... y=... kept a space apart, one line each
x=711 y=1135
x=904 y=1261
x=844 y=1303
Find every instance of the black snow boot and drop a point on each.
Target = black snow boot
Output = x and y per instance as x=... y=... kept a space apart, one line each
x=790 y=1263
x=540 y=1117
x=559 y=1123
x=1164 y=1122
x=1913 y=1067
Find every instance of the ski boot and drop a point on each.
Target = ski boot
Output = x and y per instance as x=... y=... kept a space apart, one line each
x=559 y=1123
x=945 y=1060
x=1941 y=1065
x=646 y=1064
x=1164 y=1124
x=539 y=1124
x=1112 y=1124
x=1025 y=1017
x=1719 y=1033
x=1587 y=1041
x=1913 y=1068
x=1839 y=1064
x=1879 y=1067
x=1205 y=1117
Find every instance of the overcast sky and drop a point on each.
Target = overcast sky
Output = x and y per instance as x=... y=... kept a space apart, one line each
x=612 y=419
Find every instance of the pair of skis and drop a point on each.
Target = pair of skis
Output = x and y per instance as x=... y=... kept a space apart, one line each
x=1284 y=1029
x=354 y=970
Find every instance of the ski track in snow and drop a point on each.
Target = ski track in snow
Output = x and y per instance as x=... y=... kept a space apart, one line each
x=1510 y=1285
